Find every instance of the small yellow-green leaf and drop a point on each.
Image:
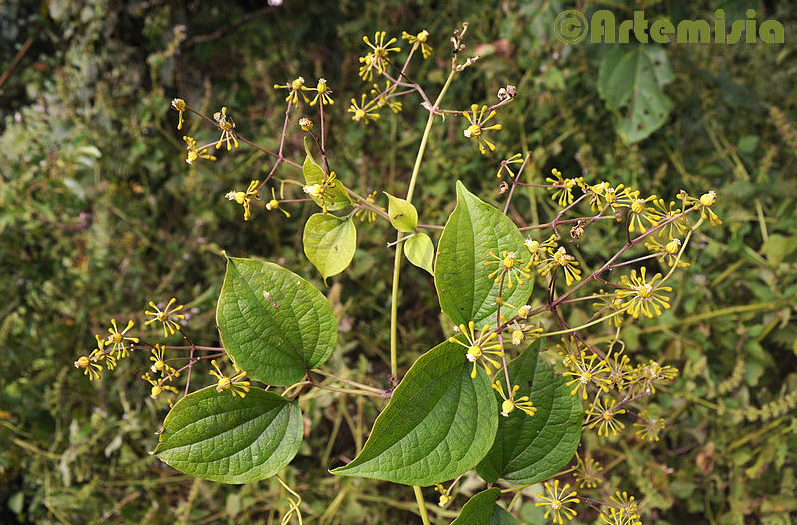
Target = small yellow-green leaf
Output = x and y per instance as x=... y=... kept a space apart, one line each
x=329 y=243
x=403 y=215
x=420 y=251
x=335 y=197
x=439 y=423
x=218 y=437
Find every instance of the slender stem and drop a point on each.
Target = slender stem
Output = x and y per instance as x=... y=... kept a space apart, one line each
x=267 y=152
x=731 y=310
x=421 y=504
x=566 y=221
x=336 y=389
x=350 y=382
x=635 y=260
x=397 y=259
x=587 y=325
x=515 y=183
x=616 y=256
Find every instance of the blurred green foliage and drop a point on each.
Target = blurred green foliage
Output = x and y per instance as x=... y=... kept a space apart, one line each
x=100 y=214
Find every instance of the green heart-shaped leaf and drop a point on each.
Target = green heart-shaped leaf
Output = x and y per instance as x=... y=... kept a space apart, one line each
x=482 y=510
x=528 y=449
x=439 y=423
x=329 y=243
x=420 y=251
x=335 y=196
x=403 y=215
x=273 y=323
x=474 y=230
x=218 y=437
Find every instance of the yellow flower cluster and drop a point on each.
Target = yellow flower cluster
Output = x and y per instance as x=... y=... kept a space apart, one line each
x=297 y=92
x=108 y=352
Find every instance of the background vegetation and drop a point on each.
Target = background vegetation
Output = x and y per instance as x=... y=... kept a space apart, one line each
x=99 y=214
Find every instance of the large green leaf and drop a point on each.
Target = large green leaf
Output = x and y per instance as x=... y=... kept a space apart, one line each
x=439 y=423
x=335 y=196
x=219 y=437
x=474 y=229
x=329 y=243
x=419 y=250
x=530 y=449
x=403 y=215
x=273 y=323
x=630 y=80
x=482 y=510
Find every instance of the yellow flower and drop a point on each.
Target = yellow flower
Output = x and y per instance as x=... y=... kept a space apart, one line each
x=650 y=428
x=641 y=296
x=524 y=311
x=586 y=473
x=674 y=227
x=706 y=201
x=159 y=363
x=366 y=213
x=477 y=127
x=306 y=124
x=668 y=252
x=227 y=128
x=540 y=250
x=295 y=88
x=274 y=204
x=557 y=501
x=571 y=350
x=647 y=376
x=641 y=211
x=585 y=371
x=517 y=158
x=363 y=112
x=158 y=386
x=479 y=346
x=100 y=354
x=117 y=339
x=419 y=40
x=180 y=105
x=609 y=303
x=319 y=191
x=605 y=417
x=626 y=504
x=323 y=93
x=614 y=516
x=511 y=403
x=90 y=368
x=445 y=496
x=377 y=59
x=597 y=194
x=244 y=198
x=237 y=384
x=619 y=369
x=560 y=258
x=383 y=97
x=509 y=264
x=168 y=316
x=562 y=188
x=194 y=153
